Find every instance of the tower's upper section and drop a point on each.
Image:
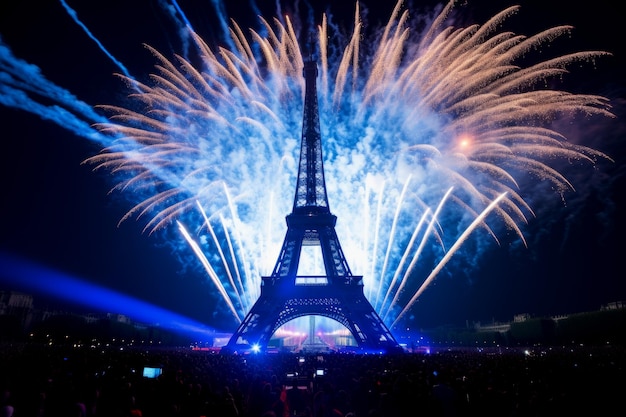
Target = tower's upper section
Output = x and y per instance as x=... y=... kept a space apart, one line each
x=310 y=186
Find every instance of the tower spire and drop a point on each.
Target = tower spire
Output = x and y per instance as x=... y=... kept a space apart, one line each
x=310 y=185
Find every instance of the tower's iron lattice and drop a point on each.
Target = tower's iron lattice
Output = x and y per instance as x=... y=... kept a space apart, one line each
x=338 y=294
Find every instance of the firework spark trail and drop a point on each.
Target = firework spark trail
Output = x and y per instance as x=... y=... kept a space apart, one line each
x=222 y=257
x=457 y=244
x=250 y=282
x=405 y=256
x=391 y=107
x=231 y=252
x=72 y=13
x=210 y=271
x=416 y=255
x=391 y=239
x=181 y=14
x=376 y=238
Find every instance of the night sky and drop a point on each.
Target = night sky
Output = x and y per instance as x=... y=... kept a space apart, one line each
x=58 y=214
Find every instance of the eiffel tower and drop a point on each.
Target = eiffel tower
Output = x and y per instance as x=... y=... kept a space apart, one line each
x=338 y=294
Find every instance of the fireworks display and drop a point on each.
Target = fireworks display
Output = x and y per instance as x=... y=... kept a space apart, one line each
x=434 y=135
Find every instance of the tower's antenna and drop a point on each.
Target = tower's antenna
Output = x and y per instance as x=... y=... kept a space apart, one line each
x=310 y=46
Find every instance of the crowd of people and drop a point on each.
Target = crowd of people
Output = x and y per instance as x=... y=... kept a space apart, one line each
x=88 y=382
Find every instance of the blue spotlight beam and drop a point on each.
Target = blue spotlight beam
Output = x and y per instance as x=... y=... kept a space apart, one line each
x=28 y=275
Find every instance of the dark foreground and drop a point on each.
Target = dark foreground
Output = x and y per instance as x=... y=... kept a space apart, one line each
x=67 y=381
